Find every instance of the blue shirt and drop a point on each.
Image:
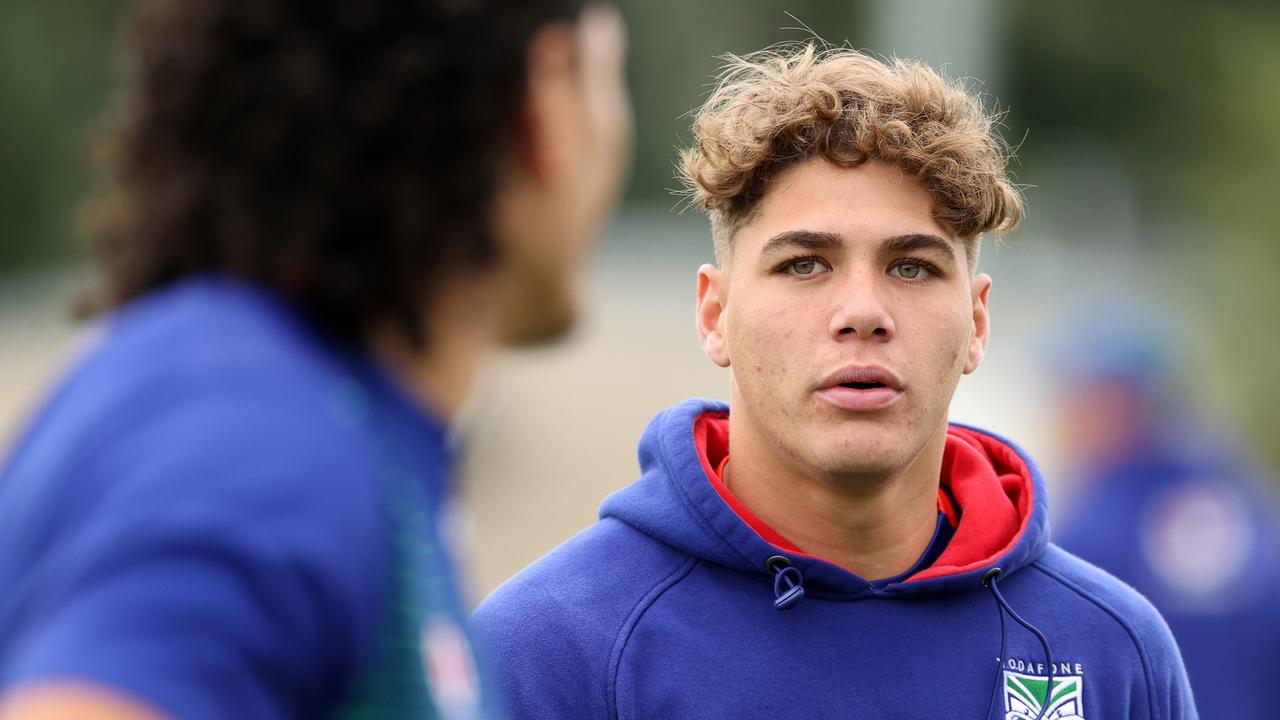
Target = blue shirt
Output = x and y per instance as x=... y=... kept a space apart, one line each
x=223 y=515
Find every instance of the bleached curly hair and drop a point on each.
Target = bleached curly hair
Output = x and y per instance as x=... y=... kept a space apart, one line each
x=790 y=103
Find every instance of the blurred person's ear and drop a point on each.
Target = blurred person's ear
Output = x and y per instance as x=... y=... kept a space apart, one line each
x=562 y=179
x=710 y=314
x=549 y=99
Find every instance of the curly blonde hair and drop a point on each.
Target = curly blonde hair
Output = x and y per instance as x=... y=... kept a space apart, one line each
x=790 y=103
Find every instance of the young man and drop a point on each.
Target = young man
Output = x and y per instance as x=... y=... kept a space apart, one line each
x=326 y=214
x=831 y=547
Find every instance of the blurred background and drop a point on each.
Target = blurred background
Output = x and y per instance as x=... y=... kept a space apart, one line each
x=1148 y=137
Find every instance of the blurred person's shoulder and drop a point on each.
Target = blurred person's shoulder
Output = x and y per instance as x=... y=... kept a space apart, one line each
x=202 y=336
x=207 y=392
x=207 y=456
x=201 y=351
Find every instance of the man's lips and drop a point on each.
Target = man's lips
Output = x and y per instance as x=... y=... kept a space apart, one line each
x=861 y=388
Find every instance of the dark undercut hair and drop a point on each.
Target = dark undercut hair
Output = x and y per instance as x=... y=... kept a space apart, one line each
x=342 y=154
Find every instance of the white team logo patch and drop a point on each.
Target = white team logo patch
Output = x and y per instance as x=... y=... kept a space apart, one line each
x=1025 y=695
x=450 y=670
x=1197 y=539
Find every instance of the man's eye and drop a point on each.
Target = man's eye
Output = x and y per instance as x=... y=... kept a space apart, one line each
x=805 y=267
x=910 y=271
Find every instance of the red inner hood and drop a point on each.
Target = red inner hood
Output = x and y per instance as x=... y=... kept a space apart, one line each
x=991 y=484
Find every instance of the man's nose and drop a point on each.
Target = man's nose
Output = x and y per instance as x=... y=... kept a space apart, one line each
x=861 y=312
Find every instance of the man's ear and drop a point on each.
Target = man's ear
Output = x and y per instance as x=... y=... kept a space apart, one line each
x=712 y=296
x=551 y=99
x=981 y=323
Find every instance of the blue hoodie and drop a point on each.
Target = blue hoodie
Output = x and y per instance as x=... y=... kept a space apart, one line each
x=675 y=605
x=223 y=515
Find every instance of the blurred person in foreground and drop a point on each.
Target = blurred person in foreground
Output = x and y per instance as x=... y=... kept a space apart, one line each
x=325 y=215
x=1171 y=505
x=831 y=546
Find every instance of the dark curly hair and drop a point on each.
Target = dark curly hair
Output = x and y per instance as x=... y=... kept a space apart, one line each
x=343 y=154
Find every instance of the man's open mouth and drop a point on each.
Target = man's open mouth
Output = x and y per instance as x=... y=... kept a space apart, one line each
x=863 y=385
x=861 y=388
x=862 y=377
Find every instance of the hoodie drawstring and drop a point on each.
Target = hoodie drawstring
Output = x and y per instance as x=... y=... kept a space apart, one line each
x=785 y=574
x=989 y=582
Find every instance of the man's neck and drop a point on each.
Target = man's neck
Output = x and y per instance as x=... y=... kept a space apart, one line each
x=873 y=527
x=461 y=330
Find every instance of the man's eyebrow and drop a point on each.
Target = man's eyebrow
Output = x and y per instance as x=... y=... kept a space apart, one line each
x=915 y=242
x=805 y=239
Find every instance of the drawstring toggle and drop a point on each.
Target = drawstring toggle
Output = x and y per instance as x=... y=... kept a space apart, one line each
x=788 y=583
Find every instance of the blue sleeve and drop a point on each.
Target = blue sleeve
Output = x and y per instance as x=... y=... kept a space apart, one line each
x=227 y=565
x=1170 y=690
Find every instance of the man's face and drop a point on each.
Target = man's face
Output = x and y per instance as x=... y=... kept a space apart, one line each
x=847 y=314
x=577 y=139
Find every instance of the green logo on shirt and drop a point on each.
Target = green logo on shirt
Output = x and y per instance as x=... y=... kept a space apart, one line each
x=1024 y=697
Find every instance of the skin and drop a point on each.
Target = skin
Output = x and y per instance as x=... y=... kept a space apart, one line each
x=841 y=266
x=559 y=190
x=73 y=700
x=1103 y=421
x=555 y=193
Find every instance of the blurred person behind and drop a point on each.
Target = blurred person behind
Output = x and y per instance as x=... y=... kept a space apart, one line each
x=324 y=215
x=1169 y=503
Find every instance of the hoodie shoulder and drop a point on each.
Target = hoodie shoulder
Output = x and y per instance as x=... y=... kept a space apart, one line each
x=554 y=632
x=1169 y=692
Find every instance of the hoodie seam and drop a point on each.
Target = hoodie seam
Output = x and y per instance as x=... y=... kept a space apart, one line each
x=1115 y=615
x=691 y=506
x=637 y=612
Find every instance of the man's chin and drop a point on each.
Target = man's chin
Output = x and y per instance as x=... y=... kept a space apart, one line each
x=876 y=452
x=532 y=327
x=863 y=469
